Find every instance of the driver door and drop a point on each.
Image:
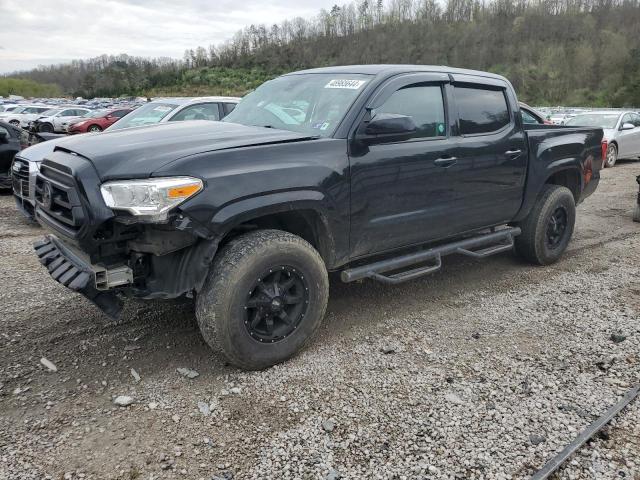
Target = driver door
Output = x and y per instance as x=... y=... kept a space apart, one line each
x=400 y=189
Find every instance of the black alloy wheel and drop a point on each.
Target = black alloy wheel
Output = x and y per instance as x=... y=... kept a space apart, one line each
x=556 y=227
x=276 y=304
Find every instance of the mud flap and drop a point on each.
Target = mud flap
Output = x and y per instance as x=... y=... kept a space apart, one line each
x=68 y=270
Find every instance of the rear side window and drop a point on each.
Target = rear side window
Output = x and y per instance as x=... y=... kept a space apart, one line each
x=228 y=108
x=201 y=111
x=423 y=103
x=481 y=110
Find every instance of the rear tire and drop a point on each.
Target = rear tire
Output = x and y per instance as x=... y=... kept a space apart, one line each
x=253 y=280
x=547 y=229
x=612 y=156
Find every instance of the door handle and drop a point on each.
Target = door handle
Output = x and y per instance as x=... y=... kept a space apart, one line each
x=445 y=162
x=513 y=152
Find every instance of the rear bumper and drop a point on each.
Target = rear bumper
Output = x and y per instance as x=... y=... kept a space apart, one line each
x=71 y=269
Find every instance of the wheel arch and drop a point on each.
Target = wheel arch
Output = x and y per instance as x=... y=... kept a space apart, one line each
x=301 y=213
x=567 y=177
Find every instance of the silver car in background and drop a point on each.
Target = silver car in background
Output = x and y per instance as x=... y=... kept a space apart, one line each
x=621 y=133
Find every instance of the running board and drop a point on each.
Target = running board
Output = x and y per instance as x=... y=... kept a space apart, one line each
x=493 y=243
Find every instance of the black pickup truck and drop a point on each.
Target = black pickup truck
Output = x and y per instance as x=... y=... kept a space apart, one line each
x=373 y=171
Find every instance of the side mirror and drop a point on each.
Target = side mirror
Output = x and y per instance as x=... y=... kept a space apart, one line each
x=388 y=127
x=627 y=126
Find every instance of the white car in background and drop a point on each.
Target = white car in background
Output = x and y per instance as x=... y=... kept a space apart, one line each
x=177 y=110
x=57 y=120
x=22 y=116
x=9 y=107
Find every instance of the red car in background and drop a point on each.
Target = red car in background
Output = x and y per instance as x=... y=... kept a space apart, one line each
x=98 y=121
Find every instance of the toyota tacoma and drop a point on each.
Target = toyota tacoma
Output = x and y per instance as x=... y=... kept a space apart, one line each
x=376 y=172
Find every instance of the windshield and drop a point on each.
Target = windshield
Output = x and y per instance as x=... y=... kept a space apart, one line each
x=312 y=104
x=609 y=120
x=148 y=114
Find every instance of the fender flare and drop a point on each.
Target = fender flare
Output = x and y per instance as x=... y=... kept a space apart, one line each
x=530 y=197
x=249 y=208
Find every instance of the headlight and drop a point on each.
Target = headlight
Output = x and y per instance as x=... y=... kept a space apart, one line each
x=150 y=199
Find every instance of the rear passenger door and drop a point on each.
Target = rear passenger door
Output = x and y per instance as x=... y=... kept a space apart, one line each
x=489 y=175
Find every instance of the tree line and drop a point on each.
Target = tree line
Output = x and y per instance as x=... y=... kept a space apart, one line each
x=570 y=52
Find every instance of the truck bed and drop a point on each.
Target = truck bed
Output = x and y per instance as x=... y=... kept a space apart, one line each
x=553 y=147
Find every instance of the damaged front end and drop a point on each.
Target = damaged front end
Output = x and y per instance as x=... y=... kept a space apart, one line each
x=111 y=245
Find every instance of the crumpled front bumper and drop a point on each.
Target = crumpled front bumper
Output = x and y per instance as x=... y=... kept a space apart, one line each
x=72 y=271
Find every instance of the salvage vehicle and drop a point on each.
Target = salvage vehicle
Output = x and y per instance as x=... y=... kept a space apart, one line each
x=12 y=140
x=26 y=166
x=55 y=120
x=376 y=172
x=96 y=121
x=621 y=133
x=178 y=110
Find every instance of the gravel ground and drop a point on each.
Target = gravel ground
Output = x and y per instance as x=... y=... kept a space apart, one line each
x=484 y=370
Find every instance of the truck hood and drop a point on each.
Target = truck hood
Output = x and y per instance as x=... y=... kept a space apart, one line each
x=138 y=152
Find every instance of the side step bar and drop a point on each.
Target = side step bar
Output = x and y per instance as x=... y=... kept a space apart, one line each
x=493 y=242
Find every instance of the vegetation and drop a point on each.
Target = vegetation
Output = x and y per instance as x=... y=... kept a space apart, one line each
x=27 y=88
x=570 y=52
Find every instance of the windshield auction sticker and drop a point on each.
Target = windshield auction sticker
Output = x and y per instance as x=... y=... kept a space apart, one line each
x=344 y=83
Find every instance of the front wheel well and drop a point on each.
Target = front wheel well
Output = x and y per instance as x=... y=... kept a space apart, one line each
x=309 y=225
x=569 y=178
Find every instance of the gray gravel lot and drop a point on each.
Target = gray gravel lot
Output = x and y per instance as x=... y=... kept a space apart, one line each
x=484 y=370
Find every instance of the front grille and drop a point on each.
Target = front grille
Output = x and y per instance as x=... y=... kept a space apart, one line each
x=20 y=177
x=58 y=200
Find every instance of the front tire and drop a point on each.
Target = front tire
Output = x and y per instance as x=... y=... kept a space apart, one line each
x=94 y=129
x=547 y=229
x=46 y=128
x=264 y=297
x=612 y=155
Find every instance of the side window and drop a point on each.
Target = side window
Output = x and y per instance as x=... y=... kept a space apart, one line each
x=68 y=113
x=119 y=113
x=631 y=118
x=203 y=111
x=528 y=119
x=228 y=108
x=423 y=103
x=481 y=110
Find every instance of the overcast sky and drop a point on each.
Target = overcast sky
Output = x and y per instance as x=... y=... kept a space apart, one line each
x=34 y=32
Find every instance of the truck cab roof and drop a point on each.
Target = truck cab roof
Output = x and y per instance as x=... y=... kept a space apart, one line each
x=391 y=70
